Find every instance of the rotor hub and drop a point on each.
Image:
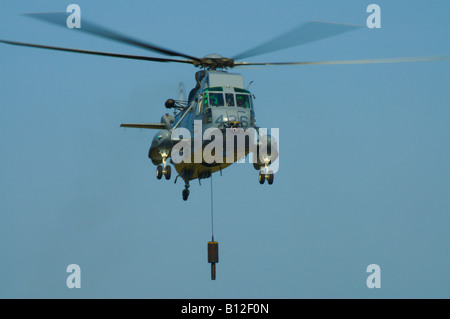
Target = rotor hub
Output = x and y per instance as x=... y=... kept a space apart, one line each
x=215 y=61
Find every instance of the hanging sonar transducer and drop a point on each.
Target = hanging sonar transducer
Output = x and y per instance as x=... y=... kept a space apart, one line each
x=213 y=257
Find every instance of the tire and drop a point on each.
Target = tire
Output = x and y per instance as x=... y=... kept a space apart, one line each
x=185 y=194
x=168 y=172
x=262 y=178
x=270 y=178
x=159 y=172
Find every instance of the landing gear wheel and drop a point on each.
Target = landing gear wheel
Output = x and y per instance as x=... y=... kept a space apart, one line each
x=168 y=172
x=185 y=194
x=270 y=178
x=262 y=178
x=159 y=172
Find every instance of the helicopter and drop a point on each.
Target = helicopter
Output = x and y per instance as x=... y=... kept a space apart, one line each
x=219 y=103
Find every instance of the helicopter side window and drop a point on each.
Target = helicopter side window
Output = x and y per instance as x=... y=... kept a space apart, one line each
x=206 y=100
x=243 y=100
x=216 y=99
x=200 y=105
x=229 y=97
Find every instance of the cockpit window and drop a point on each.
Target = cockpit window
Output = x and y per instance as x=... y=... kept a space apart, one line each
x=213 y=99
x=229 y=97
x=243 y=100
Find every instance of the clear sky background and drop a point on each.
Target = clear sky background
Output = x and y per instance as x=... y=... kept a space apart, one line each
x=364 y=172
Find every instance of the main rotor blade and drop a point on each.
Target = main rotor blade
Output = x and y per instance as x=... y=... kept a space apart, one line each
x=305 y=33
x=115 y=55
x=60 y=19
x=365 y=61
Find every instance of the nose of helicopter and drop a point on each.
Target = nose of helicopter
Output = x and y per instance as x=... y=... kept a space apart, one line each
x=234 y=118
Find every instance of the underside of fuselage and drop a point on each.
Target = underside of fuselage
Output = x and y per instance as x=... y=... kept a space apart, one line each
x=199 y=160
x=192 y=170
x=193 y=161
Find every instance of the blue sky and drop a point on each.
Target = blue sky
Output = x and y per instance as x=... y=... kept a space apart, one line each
x=364 y=157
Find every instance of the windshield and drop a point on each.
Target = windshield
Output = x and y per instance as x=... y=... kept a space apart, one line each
x=243 y=100
x=214 y=99
x=229 y=97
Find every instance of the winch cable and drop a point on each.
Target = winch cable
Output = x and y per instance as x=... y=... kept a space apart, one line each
x=212 y=209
